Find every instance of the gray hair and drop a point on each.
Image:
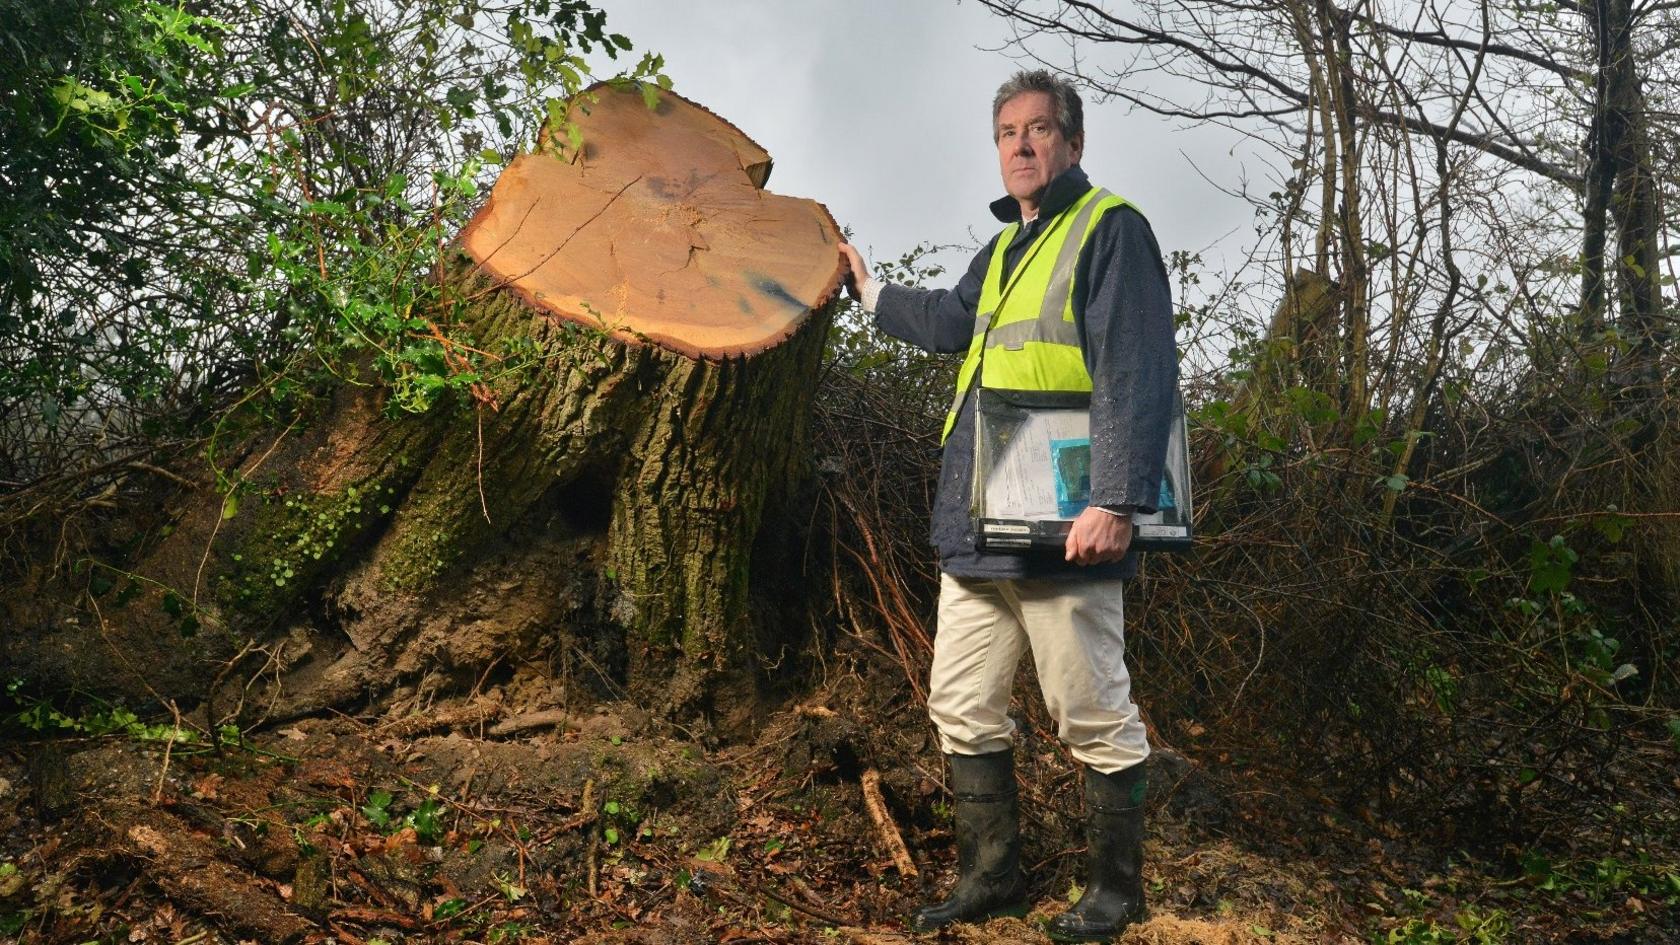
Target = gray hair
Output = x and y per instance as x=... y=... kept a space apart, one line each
x=1070 y=112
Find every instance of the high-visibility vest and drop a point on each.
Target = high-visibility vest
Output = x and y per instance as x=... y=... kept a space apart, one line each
x=1025 y=327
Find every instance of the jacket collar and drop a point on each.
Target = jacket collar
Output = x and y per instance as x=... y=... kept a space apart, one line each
x=1068 y=187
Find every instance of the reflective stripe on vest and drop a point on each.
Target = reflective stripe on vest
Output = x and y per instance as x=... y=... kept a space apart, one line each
x=1025 y=329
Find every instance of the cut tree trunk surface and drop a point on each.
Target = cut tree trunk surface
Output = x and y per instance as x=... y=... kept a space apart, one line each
x=656 y=229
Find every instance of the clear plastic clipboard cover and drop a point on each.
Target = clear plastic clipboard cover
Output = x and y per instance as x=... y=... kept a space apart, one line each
x=1033 y=474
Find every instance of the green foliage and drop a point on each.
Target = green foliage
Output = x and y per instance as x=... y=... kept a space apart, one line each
x=240 y=203
x=1444 y=687
x=183 y=613
x=296 y=536
x=11 y=883
x=378 y=809
x=1313 y=406
x=101 y=97
x=428 y=826
x=1259 y=476
x=620 y=820
x=425 y=818
x=1604 y=881
x=510 y=890
x=1469 y=927
x=715 y=852
x=100 y=93
x=42 y=718
x=919 y=381
x=510 y=931
x=1553 y=613
x=1549 y=565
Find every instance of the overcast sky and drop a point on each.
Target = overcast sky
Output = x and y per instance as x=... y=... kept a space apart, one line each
x=881 y=110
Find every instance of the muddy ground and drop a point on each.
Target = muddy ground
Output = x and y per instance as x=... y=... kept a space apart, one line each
x=511 y=816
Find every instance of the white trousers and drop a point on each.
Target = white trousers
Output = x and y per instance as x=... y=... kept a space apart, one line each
x=1077 y=633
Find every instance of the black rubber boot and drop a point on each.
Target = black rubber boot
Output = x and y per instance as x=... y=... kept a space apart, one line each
x=1113 y=897
x=989 y=880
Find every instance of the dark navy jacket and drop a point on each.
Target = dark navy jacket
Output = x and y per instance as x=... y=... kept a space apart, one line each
x=1122 y=308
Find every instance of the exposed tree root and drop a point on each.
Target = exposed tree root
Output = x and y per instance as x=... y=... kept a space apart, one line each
x=190 y=871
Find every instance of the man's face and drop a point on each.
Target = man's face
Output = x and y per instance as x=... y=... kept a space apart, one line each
x=1031 y=147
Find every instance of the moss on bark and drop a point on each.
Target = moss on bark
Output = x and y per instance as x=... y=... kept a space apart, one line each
x=356 y=531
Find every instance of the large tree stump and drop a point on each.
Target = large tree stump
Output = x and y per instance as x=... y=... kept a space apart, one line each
x=679 y=312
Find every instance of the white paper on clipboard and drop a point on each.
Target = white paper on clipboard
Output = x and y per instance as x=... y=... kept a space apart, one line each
x=1022 y=482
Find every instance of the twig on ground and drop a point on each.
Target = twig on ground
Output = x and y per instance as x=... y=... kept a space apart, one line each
x=168 y=749
x=890 y=837
x=588 y=813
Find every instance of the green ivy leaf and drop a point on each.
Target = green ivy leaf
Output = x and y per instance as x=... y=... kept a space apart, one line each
x=714 y=852
x=1550 y=564
x=376 y=810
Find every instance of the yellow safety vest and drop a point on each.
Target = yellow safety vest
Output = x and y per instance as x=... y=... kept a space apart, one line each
x=1025 y=328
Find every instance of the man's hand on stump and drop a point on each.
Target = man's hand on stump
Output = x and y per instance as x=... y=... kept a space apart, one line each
x=859 y=271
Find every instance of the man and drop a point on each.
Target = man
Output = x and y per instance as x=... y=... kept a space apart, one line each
x=1070 y=296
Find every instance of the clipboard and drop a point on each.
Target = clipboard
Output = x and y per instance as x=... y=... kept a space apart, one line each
x=1032 y=474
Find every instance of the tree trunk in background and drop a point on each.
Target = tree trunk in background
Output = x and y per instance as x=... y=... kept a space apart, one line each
x=1621 y=193
x=1601 y=173
x=601 y=510
x=1633 y=204
x=1355 y=274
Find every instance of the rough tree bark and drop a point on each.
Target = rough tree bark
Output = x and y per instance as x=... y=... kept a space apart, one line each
x=1621 y=192
x=620 y=503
